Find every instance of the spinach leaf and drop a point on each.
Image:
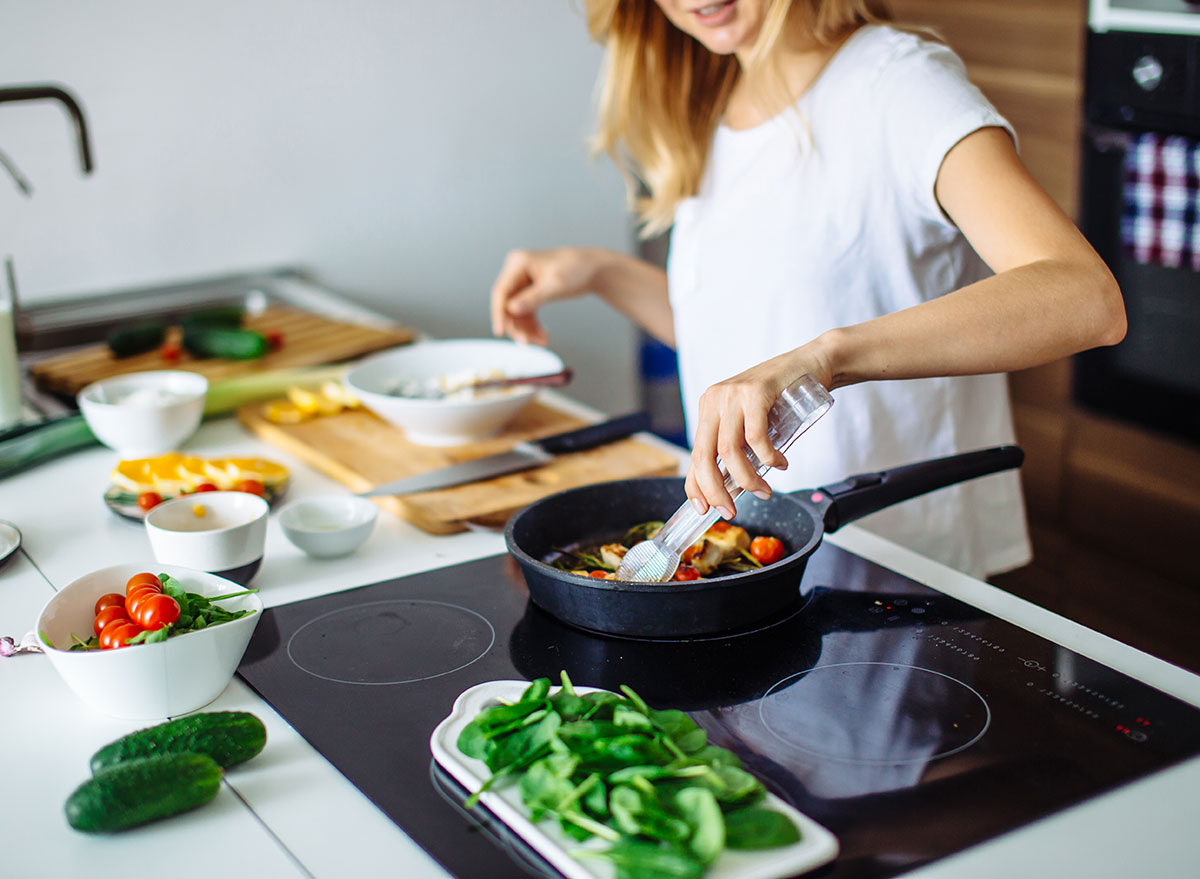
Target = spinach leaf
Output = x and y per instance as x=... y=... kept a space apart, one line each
x=755 y=828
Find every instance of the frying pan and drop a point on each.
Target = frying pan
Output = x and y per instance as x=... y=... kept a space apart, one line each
x=604 y=511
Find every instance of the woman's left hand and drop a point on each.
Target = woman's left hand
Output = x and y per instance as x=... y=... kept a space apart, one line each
x=733 y=415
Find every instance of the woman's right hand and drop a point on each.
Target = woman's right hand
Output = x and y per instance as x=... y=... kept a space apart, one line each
x=531 y=278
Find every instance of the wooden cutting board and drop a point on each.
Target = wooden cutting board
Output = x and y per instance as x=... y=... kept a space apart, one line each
x=361 y=451
x=308 y=340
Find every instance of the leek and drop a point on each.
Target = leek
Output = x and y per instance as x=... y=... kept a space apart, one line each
x=232 y=393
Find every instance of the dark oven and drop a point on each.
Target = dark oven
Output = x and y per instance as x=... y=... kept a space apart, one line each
x=1140 y=208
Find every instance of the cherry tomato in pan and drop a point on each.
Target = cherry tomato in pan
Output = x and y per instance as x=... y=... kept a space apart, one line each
x=767 y=550
x=155 y=611
x=253 y=486
x=599 y=575
x=107 y=615
x=143 y=579
x=111 y=599
x=115 y=634
x=148 y=500
x=686 y=572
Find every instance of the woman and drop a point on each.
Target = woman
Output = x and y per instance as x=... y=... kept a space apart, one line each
x=845 y=204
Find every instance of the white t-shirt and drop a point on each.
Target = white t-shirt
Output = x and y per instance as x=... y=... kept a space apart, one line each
x=827 y=217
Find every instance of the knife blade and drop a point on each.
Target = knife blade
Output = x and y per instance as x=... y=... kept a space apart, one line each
x=522 y=456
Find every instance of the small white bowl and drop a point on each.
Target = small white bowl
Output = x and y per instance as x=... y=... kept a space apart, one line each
x=222 y=532
x=146 y=681
x=141 y=414
x=453 y=421
x=329 y=526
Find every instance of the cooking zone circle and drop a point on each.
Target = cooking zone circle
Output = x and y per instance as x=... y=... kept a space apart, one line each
x=878 y=713
x=387 y=642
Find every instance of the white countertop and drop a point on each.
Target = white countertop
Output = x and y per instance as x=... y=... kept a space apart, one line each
x=289 y=812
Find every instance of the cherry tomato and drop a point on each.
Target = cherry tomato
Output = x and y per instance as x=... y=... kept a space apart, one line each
x=205 y=486
x=767 y=550
x=599 y=575
x=686 y=572
x=274 y=339
x=719 y=526
x=116 y=633
x=171 y=352
x=112 y=599
x=148 y=500
x=253 y=486
x=134 y=599
x=108 y=615
x=156 y=611
x=143 y=579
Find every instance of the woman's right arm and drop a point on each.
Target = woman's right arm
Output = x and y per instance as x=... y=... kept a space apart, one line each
x=531 y=278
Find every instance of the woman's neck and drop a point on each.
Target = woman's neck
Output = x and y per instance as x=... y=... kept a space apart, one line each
x=779 y=81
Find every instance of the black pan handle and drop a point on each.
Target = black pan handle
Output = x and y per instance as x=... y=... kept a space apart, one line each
x=867 y=493
x=594 y=434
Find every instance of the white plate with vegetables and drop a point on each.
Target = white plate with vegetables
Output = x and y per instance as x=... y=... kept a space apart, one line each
x=633 y=785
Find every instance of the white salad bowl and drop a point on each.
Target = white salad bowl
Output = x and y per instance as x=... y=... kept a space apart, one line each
x=329 y=526
x=146 y=681
x=452 y=420
x=141 y=414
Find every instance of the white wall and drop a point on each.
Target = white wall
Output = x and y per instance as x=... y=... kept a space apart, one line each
x=397 y=148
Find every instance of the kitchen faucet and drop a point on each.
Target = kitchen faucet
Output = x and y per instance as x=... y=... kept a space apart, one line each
x=9 y=94
x=10 y=392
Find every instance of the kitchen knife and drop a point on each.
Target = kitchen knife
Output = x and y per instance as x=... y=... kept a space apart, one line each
x=522 y=456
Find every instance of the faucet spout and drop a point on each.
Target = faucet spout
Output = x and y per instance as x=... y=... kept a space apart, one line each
x=56 y=93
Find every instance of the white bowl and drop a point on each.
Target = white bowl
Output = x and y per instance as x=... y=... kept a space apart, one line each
x=329 y=526
x=222 y=532
x=145 y=681
x=454 y=421
x=141 y=414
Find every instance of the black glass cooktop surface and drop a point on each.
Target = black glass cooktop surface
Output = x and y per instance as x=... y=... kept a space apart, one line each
x=910 y=724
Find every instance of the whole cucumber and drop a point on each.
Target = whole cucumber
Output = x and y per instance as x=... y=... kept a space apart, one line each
x=229 y=316
x=228 y=737
x=143 y=790
x=131 y=339
x=224 y=342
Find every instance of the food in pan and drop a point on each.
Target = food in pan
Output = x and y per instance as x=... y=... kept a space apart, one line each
x=722 y=549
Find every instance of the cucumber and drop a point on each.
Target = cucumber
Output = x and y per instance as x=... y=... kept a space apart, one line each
x=228 y=316
x=228 y=737
x=226 y=342
x=138 y=338
x=143 y=790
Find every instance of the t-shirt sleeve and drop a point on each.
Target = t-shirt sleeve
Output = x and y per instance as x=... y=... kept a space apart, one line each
x=928 y=105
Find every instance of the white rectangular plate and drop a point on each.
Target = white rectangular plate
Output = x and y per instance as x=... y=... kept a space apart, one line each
x=817 y=845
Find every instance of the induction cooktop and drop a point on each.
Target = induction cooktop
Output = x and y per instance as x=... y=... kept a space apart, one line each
x=909 y=723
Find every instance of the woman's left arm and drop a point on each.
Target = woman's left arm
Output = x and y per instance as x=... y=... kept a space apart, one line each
x=1051 y=296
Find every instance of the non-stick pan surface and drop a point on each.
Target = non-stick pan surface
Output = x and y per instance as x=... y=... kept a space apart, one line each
x=604 y=511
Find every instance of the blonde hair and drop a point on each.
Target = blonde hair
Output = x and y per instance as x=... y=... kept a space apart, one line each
x=662 y=93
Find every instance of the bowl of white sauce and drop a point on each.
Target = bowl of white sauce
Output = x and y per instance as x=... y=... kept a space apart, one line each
x=140 y=414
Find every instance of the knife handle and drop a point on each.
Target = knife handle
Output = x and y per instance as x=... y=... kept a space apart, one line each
x=594 y=434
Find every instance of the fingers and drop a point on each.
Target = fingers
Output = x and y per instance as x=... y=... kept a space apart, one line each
x=515 y=297
x=733 y=416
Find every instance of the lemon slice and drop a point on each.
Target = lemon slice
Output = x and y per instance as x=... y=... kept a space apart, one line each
x=340 y=393
x=138 y=475
x=266 y=472
x=284 y=412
